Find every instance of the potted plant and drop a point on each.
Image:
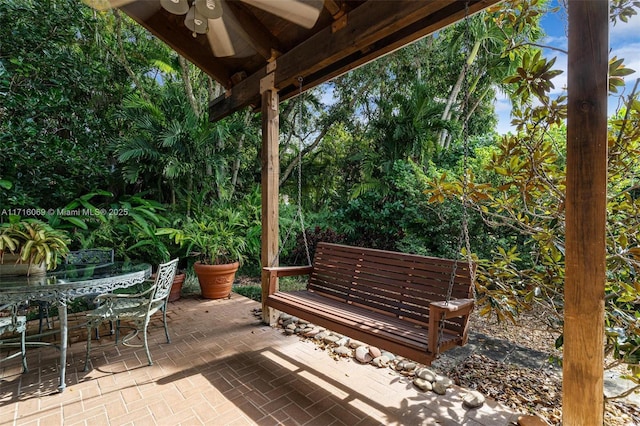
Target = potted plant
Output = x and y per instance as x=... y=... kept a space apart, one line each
x=30 y=246
x=218 y=243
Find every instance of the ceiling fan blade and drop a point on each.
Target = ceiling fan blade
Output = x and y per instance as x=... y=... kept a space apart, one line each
x=220 y=38
x=103 y=5
x=301 y=12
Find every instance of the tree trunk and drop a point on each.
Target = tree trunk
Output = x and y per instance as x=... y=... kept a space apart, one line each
x=236 y=164
x=453 y=96
x=188 y=89
x=285 y=175
x=123 y=57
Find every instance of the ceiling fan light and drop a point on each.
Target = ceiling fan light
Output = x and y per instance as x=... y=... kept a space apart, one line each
x=211 y=9
x=195 y=21
x=177 y=7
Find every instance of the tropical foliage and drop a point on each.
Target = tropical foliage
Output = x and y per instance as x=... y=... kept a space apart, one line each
x=34 y=241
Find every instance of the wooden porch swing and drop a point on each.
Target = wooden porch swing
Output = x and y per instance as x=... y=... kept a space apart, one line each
x=413 y=306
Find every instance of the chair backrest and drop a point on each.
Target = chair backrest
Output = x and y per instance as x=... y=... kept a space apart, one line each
x=164 y=280
x=97 y=256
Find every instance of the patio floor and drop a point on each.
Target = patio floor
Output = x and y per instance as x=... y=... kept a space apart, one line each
x=223 y=367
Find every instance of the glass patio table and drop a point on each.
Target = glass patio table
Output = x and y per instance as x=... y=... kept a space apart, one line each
x=67 y=283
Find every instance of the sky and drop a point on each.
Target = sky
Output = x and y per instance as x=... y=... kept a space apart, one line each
x=624 y=42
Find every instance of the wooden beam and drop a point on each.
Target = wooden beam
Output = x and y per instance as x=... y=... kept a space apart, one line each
x=586 y=199
x=270 y=191
x=257 y=35
x=367 y=26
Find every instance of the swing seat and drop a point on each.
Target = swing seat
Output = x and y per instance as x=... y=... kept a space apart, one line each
x=391 y=300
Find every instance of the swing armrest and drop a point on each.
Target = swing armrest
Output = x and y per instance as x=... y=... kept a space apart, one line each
x=455 y=307
x=275 y=272
x=438 y=311
x=288 y=271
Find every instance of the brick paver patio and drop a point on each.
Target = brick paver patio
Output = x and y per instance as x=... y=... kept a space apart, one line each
x=222 y=368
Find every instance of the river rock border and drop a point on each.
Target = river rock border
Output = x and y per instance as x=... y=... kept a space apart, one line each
x=339 y=346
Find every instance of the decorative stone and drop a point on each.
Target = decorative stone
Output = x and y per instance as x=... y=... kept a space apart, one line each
x=362 y=354
x=342 y=351
x=445 y=381
x=375 y=352
x=320 y=336
x=389 y=355
x=405 y=365
x=284 y=317
x=422 y=384
x=473 y=399
x=426 y=374
x=287 y=323
x=331 y=338
x=439 y=388
x=312 y=332
x=344 y=341
x=355 y=344
x=380 y=361
x=288 y=331
x=290 y=326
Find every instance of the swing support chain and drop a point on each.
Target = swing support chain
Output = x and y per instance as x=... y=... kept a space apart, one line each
x=299 y=215
x=464 y=234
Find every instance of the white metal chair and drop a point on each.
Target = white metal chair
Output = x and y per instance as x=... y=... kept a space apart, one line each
x=135 y=309
x=13 y=322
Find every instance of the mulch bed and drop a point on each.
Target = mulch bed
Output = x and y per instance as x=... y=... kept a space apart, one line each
x=530 y=391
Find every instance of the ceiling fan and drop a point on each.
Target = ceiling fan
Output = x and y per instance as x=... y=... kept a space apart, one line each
x=215 y=18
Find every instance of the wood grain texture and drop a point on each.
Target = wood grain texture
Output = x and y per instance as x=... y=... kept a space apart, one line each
x=270 y=191
x=586 y=213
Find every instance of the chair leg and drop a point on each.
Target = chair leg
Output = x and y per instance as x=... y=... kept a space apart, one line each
x=86 y=361
x=43 y=313
x=164 y=319
x=23 y=349
x=146 y=342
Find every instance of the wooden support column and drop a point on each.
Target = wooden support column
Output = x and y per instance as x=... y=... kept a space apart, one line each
x=583 y=369
x=270 y=190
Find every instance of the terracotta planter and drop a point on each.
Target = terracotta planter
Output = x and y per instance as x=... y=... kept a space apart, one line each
x=216 y=280
x=12 y=266
x=176 y=288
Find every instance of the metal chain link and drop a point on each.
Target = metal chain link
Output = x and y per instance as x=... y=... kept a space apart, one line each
x=299 y=215
x=465 y=139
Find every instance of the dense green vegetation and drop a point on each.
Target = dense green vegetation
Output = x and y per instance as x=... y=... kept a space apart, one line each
x=104 y=134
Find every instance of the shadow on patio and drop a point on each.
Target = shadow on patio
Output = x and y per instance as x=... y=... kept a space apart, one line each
x=222 y=367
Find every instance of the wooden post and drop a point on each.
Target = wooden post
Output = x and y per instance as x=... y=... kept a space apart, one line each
x=270 y=190
x=583 y=369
